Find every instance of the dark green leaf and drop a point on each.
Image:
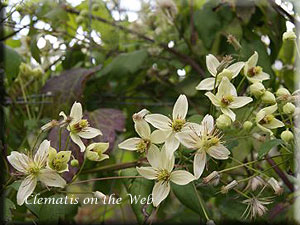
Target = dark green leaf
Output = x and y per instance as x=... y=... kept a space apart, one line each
x=267 y=146
x=12 y=61
x=8 y=206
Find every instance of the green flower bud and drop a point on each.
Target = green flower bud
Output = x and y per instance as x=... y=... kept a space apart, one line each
x=287 y=136
x=247 y=125
x=282 y=92
x=288 y=108
x=223 y=121
x=289 y=35
x=257 y=89
x=74 y=163
x=84 y=13
x=79 y=19
x=25 y=69
x=268 y=98
x=37 y=72
x=95 y=7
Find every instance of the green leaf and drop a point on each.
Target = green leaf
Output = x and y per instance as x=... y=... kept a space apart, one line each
x=187 y=196
x=8 y=206
x=267 y=146
x=136 y=187
x=12 y=61
x=35 y=51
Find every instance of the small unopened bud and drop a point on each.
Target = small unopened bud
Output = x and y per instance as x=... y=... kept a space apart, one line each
x=289 y=35
x=254 y=183
x=287 y=136
x=211 y=177
x=228 y=187
x=257 y=89
x=288 y=108
x=223 y=121
x=51 y=124
x=275 y=185
x=247 y=125
x=234 y=42
x=100 y=196
x=282 y=92
x=74 y=163
x=140 y=115
x=268 y=98
x=210 y=222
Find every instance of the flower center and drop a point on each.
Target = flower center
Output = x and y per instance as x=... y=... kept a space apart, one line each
x=177 y=124
x=143 y=145
x=254 y=71
x=79 y=126
x=267 y=119
x=33 y=169
x=163 y=175
x=225 y=73
x=226 y=100
x=209 y=139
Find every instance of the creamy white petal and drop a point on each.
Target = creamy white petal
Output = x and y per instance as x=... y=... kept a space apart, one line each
x=51 y=178
x=252 y=61
x=160 y=192
x=208 y=122
x=143 y=129
x=275 y=123
x=260 y=115
x=215 y=101
x=270 y=109
x=172 y=144
x=259 y=77
x=158 y=136
x=153 y=156
x=226 y=88
x=76 y=139
x=166 y=161
x=181 y=177
x=264 y=129
x=229 y=113
x=199 y=163
x=188 y=126
x=206 y=84
x=26 y=188
x=239 y=102
x=212 y=64
x=130 y=144
x=63 y=115
x=180 y=108
x=147 y=172
x=218 y=152
x=41 y=155
x=19 y=161
x=159 y=121
x=76 y=111
x=188 y=138
x=89 y=132
x=236 y=68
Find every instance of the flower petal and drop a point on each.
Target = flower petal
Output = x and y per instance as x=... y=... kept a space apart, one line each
x=63 y=115
x=147 y=172
x=206 y=84
x=199 y=163
x=158 y=136
x=212 y=64
x=171 y=144
x=208 y=123
x=159 y=121
x=188 y=138
x=226 y=88
x=239 y=102
x=26 y=188
x=76 y=139
x=275 y=123
x=181 y=177
x=167 y=161
x=236 y=68
x=130 y=144
x=89 y=132
x=76 y=111
x=153 y=156
x=229 y=113
x=41 y=155
x=160 y=191
x=252 y=61
x=215 y=101
x=218 y=152
x=180 y=108
x=143 y=129
x=51 y=178
x=270 y=109
x=19 y=161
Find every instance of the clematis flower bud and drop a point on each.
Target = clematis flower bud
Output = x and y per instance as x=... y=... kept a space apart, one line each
x=268 y=98
x=257 y=89
x=51 y=124
x=211 y=177
x=247 y=125
x=289 y=108
x=74 y=163
x=223 y=121
x=287 y=136
x=275 y=185
x=282 y=92
x=289 y=35
x=228 y=187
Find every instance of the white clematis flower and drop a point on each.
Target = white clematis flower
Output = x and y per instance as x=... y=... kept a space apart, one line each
x=78 y=127
x=266 y=121
x=205 y=140
x=146 y=141
x=253 y=72
x=161 y=171
x=34 y=169
x=174 y=125
x=227 y=99
x=212 y=64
